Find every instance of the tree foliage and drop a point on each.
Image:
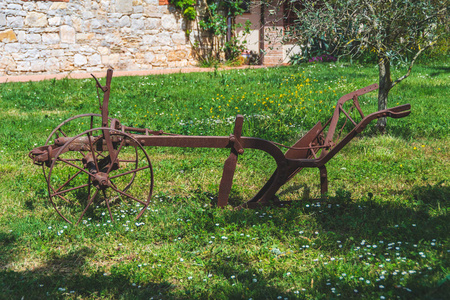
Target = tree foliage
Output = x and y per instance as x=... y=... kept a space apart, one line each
x=396 y=30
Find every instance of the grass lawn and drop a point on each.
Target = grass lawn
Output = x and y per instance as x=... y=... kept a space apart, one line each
x=382 y=233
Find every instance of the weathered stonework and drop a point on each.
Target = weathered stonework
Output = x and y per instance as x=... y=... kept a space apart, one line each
x=90 y=35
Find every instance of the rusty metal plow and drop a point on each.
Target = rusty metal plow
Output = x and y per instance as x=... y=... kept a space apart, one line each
x=108 y=162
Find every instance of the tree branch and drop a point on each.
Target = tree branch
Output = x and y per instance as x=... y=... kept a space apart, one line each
x=412 y=64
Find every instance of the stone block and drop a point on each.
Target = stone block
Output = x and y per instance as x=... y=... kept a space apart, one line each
x=70 y=49
x=124 y=6
x=114 y=16
x=111 y=59
x=124 y=21
x=67 y=34
x=33 y=38
x=152 y=11
x=168 y=22
x=84 y=37
x=14 y=6
x=12 y=48
x=87 y=26
x=35 y=19
x=57 y=53
x=77 y=24
x=87 y=15
x=160 y=58
x=116 y=49
x=96 y=24
x=138 y=9
x=14 y=13
x=65 y=65
x=52 y=65
x=148 y=40
x=152 y=23
x=93 y=69
x=55 y=21
x=79 y=60
x=87 y=50
x=21 y=36
x=3 y=20
x=126 y=31
x=137 y=24
x=23 y=66
x=14 y=22
x=149 y=57
x=31 y=54
x=66 y=20
x=95 y=60
x=37 y=66
x=7 y=63
x=179 y=38
x=176 y=55
x=58 y=5
x=103 y=50
x=8 y=36
x=50 y=38
x=43 y=6
x=112 y=39
x=105 y=5
x=163 y=39
x=29 y=6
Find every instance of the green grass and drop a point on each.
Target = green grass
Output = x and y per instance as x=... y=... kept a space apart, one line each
x=382 y=232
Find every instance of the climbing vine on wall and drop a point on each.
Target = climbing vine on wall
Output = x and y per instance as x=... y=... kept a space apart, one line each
x=186 y=7
x=217 y=22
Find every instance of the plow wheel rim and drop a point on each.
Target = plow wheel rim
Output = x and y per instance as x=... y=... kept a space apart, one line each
x=71 y=119
x=55 y=191
x=58 y=129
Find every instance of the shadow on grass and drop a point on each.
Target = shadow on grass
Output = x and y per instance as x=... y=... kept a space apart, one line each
x=63 y=277
x=343 y=219
x=439 y=71
x=370 y=219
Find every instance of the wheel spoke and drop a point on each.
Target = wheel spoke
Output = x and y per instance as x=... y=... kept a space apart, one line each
x=130 y=172
x=75 y=166
x=68 y=201
x=57 y=193
x=107 y=205
x=127 y=161
x=127 y=195
x=87 y=206
x=63 y=133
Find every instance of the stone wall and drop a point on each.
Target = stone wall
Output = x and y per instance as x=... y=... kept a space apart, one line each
x=90 y=35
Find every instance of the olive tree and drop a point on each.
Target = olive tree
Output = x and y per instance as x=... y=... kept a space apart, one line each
x=394 y=29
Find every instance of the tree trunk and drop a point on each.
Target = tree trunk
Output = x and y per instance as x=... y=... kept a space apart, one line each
x=385 y=85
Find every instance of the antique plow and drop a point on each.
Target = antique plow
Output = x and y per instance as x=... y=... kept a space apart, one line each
x=108 y=162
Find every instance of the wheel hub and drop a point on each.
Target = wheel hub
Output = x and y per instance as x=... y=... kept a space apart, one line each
x=101 y=181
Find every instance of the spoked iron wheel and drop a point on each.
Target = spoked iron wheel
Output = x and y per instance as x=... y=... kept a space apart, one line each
x=71 y=127
x=86 y=173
